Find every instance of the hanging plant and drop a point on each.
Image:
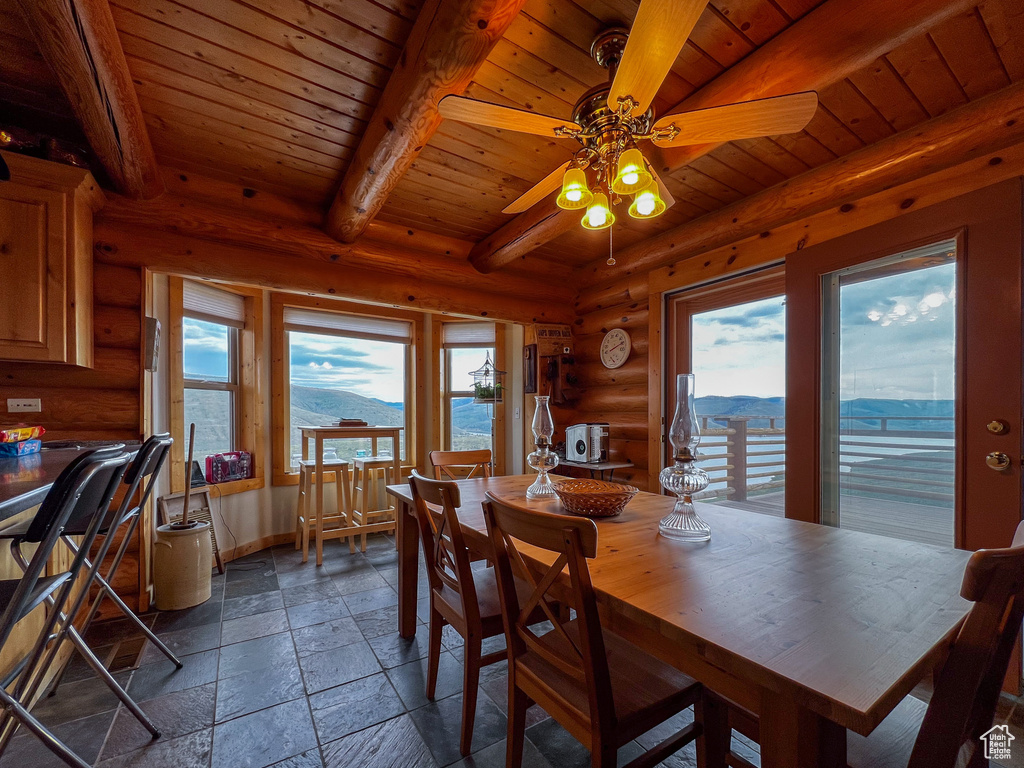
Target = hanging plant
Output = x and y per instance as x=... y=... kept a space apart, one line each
x=487 y=393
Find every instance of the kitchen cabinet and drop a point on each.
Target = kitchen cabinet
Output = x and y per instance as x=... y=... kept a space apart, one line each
x=46 y=213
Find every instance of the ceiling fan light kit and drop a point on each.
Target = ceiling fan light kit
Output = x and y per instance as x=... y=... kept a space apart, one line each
x=610 y=119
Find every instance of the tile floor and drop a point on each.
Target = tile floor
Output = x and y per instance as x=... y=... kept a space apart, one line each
x=292 y=666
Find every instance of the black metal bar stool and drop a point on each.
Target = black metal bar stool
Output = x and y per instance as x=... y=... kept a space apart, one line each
x=83 y=490
x=144 y=469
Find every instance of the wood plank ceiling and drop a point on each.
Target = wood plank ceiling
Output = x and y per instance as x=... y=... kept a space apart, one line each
x=275 y=94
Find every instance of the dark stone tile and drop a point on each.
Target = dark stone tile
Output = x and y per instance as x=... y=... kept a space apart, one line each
x=308 y=759
x=440 y=724
x=79 y=699
x=359 y=581
x=298 y=578
x=325 y=636
x=309 y=593
x=410 y=680
x=251 y=567
x=344 y=564
x=327 y=669
x=450 y=638
x=256 y=655
x=183 y=642
x=257 y=689
x=207 y=613
x=381 y=557
x=392 y=744
x=423 y=609
x=682 y=758
x=316 y=613
x=251 y=627
x=251 y=586
x=84 y=737
x=390 y=575
x=77 y=667
x=265 y=737
x=353 y=706
x=175 y=714
x=191 y=751
x=561 y=749
x=496 y=688
x=494 y=757
x=393 y=650
x=248 y=605
x=161 y=678
x=371 y=600
x=380 y=622
x=751 y=751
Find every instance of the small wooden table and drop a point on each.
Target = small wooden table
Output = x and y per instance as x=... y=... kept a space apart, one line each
x=597 y=466
x=815 y=629
x=318 y=435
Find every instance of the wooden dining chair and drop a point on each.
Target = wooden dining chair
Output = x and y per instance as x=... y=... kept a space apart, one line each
x=461 y=465
x=600 y=687
x=460 y=596
x=963 y=706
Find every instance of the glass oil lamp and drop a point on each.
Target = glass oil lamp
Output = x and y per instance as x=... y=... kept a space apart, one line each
x=684 y=478
x=542 y=460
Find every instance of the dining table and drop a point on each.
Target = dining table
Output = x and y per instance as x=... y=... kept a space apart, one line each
x=815 y=629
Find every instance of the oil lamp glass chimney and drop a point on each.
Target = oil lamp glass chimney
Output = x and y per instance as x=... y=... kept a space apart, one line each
x=543 y=460
x=684 y=478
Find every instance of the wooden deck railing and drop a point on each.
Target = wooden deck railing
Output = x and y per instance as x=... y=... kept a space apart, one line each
x=903 y=457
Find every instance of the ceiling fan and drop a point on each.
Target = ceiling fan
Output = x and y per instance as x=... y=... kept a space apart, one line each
x=610 y=119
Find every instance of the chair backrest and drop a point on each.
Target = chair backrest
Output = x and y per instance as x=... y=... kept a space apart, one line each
x=444 y=547
x=145 y=468
x=466 y=464
x=580 y=655
x=967 y=690
x=82 y=491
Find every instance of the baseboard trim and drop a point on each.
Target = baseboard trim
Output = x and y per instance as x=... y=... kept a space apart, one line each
x=227 y=555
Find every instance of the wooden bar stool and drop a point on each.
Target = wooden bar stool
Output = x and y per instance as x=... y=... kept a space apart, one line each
x=304 y=509
x=369 y=499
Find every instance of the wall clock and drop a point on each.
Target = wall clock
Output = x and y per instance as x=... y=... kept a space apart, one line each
x=615 y=348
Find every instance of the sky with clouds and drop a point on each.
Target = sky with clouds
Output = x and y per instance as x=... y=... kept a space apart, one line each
x=374 y=369
x=897 y=340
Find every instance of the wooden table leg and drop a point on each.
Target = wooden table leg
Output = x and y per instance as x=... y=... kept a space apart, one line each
x=794 y=737
x=408 y=568
x=319 y=499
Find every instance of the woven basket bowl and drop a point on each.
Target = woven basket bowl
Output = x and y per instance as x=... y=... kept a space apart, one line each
x=594 y=498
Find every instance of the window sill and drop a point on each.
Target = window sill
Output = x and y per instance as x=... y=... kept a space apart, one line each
x=236 y=486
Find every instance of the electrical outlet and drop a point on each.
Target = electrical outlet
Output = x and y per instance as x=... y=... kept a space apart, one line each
x=24 y=405
x=517 y=413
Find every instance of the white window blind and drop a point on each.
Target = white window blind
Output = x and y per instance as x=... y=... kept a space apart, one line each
x=468 y=334
x=204 y=302
x=341 y=324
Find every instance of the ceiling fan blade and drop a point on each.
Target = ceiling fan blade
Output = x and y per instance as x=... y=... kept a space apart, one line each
x=496 y=116
x=538 y=191
x=746 y=120
x=659 y=33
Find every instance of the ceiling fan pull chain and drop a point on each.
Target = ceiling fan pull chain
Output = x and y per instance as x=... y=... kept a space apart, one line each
x=611 y=255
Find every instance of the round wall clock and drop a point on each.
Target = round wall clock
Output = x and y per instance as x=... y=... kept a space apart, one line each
x=615 y=348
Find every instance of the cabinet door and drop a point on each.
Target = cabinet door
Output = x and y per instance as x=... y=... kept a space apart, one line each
x=33 y=245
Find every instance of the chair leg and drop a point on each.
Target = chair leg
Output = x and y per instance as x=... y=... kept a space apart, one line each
x=51 y=742
x=715 y=741
x=518 y=703
x=604 y=755
x=434 y=651
x=470 y=683
x=345 y=502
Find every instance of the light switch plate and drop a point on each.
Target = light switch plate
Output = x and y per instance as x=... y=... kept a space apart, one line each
x=24 y=405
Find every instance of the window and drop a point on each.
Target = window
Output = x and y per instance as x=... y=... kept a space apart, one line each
x=339 y=360
x=213 y=379
x=469 y=421
x=732 y=337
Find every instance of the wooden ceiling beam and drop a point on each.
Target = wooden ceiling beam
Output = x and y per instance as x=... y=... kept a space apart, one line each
x=79 y=41
x=824 y=47
x=449 y=42
x=980 y=127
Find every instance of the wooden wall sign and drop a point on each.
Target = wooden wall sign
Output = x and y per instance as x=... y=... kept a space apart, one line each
x=551 y=339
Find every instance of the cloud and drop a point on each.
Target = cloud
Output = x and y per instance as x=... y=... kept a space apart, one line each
x=373 y=369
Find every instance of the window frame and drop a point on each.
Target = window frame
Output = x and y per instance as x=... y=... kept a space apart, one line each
x=246 y=345
x=444 y=397
x=415 y=415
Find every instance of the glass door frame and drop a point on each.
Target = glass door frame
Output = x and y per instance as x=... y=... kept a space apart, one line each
x=987 y=228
